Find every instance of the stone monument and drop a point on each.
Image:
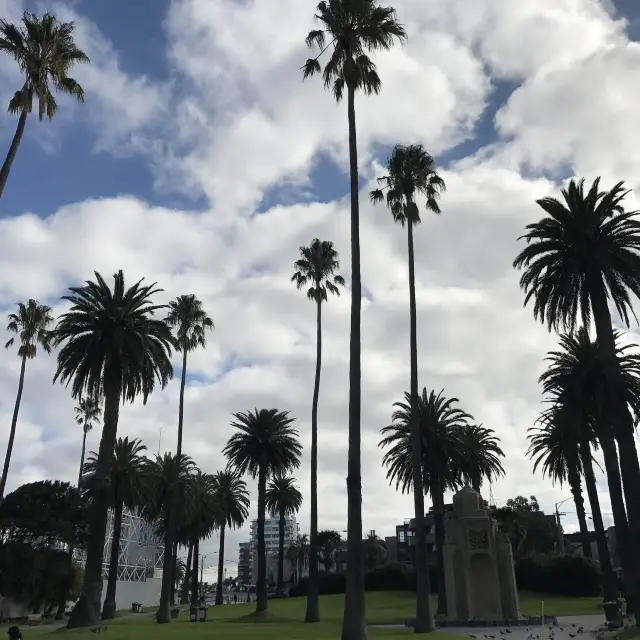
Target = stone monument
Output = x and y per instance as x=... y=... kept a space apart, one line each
x=478 y=564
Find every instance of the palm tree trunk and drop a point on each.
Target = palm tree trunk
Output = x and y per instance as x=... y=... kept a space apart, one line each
x=194 y=576
x=437 y=496
x=184 y=599
x=109 y=607
x=164 y=611
x=86 y=612
x=13 y=149
x=174 y=573
x=424 y=615
x=281 y=526
x=616 y=495
x=610 y=591
x=64 y=593
x=576 y=492
x=353 y=624
x=220 y=566
x=82 y=454
x=261 y=582
x=620 y=419
x=313 y=602
x=12 y=432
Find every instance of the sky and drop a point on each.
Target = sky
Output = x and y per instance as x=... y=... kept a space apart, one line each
x=201 y=161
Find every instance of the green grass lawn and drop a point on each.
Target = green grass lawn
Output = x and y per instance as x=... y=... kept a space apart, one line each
x=285 y=619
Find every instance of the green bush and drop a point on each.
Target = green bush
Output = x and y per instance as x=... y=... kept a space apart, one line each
x=394 y=577
x=559 y=574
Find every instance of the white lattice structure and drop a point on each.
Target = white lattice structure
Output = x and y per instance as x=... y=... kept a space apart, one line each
x=141 y=553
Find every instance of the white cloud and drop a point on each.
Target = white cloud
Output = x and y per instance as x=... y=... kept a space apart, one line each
x=245 y=122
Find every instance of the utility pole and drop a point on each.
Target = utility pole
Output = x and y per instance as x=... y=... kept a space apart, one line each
x=559 y=526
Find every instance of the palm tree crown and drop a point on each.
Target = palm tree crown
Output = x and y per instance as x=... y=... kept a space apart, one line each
x=584 y=242
x=232 y=497
x=111 y=336
x=191 y=322
x=352 y=28
x=264 y=438
x=283 y=497
x=317 y=268
x=87 y=412
x=31 y=325
x=482 y=455
x=411 y=169
x=45 y=51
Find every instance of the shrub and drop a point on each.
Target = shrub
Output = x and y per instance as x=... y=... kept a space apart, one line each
x=559 y=574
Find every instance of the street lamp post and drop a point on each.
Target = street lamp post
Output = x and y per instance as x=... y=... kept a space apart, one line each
x=202 y=569
x=559 y=524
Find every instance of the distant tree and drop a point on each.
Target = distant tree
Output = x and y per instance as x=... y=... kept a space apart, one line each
x=265 y=445
x=375 y=551
x=282 y=499
x=316 y=269
x=329 y=543
x=191 y=323
x=44 y=51
x=88 y=412
x=31 y=324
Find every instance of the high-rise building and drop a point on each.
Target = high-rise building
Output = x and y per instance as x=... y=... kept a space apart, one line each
x=245 y=563
x=272 y=533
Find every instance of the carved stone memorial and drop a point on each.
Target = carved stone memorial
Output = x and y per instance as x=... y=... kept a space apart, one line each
x=478 y=564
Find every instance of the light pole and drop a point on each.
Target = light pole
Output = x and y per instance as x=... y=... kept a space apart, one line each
x=211 y=553
x=559 y=524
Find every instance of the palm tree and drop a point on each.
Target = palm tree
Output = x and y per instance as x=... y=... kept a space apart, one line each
x=232 y=500
x=45 y=52
x=127 y=479
x=443 y=457
x=351 y=30
x=329 y=543
x=264 y=445
x=191 y=322
x=31 y=325
x=292 y=555
x=282 y=499
x=578 y=376
x=412 y=171
x=112 y=347
x=302 y=545
x=582 y=253
x=88 y=412
x=316 y=269
x=483 y=453
x=553 y=446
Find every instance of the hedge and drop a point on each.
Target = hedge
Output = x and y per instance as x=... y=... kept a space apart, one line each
x=559 y=574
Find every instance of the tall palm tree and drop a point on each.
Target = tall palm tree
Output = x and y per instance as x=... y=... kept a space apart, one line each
x=31 y=325
x=232 y=500
x=578 y=376
x=316 y=269
x=412 y=172
x=127 y=479
x=264 y=445
x=585 y=251
x=283 y=499
x=88 y=412
x=112 y=347
x=351 y=29
x=443 y=457
x=191 y=323
x=483 y=453
x=554 y=447
x=44 y=50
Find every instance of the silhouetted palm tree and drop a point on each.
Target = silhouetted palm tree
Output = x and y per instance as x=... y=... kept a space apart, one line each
x=482 y=457
x=31 y=325
x=127 y=478
x=232 y=500
x=112 y=347
x=88 y=412
x=264 y=445
x=191 y=323
x=351 y=30
x=44 y=50
x=585 y=251
x=412 y=172
x=282 y=499
x=316 y=269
